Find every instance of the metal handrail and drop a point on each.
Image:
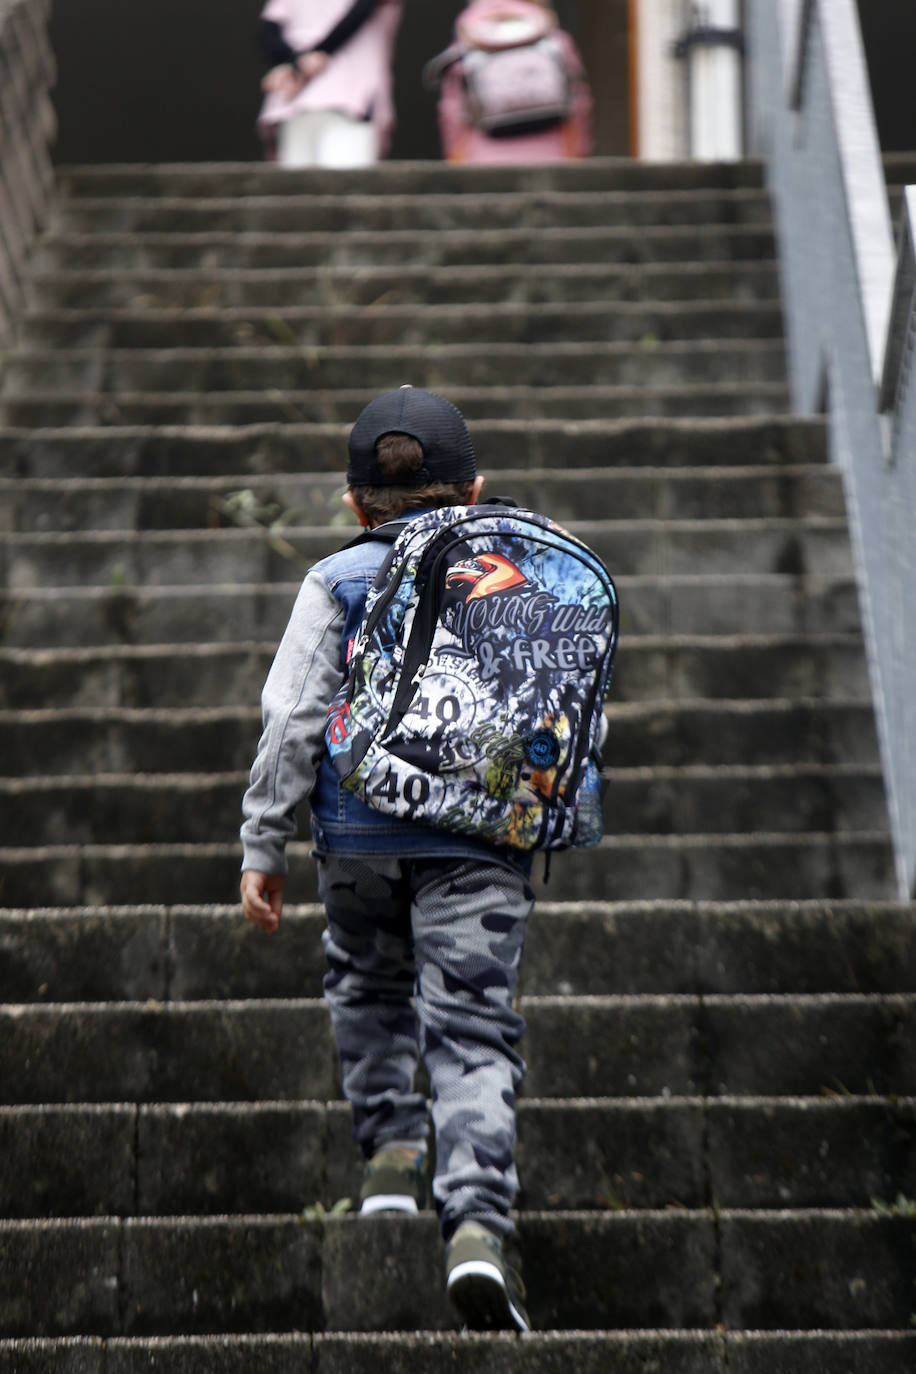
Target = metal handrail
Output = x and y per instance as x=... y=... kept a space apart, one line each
x=898 y=355
x=850 y=307
x=27 y=127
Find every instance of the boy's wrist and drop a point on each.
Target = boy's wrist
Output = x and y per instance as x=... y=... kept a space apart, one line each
x=264 y=860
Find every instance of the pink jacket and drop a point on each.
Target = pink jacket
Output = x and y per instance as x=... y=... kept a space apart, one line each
x=357 y=80
x=463 y=142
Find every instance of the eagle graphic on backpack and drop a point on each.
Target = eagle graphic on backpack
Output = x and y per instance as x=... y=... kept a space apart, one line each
x=477 y=682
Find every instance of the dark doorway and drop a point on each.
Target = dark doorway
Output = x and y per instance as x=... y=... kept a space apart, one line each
x=176 y=81
x=889 y=33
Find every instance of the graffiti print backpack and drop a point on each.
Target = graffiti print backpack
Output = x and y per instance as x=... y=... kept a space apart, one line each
x=477 y=682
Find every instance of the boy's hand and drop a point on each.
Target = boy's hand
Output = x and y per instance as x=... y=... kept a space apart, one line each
x=262 y=898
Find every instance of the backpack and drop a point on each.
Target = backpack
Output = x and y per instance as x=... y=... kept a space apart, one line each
x=513 y=68
x=517 y=90
x=476 y=684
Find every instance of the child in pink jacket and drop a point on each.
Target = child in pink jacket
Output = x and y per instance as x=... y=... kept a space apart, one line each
x=328 y=90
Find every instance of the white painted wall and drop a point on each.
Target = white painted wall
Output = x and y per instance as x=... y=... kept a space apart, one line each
x=661 y=80
x=692 y=107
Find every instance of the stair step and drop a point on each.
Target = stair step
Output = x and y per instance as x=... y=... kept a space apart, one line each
x=827 y=668
x=145 y=1276
x=384 y=367
x=760 y=732
x=106 y=739
x=170 y=808
x=587 y=403
x=407 y=283
x=667 y=1352
x=816 y=546
x=119 y=1159
x=741 y=800
x=703 y=867
x=200 y=179
x=43 y=505
x=198 y=953
x=709 y=243
x=717 y=1136
x=146 y=454
x=648 y=1046
x=774 y=604
x=353 y=211
x=400 y=325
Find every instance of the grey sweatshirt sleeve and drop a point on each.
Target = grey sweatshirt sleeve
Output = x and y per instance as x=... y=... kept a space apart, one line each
x=303 y=678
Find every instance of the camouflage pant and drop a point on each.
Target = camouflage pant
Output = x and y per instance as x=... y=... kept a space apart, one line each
x=423 y=958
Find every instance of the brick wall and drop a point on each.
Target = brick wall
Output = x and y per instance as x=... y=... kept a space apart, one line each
x=27 y=126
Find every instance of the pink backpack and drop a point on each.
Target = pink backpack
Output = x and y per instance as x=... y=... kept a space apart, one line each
x=514 y=70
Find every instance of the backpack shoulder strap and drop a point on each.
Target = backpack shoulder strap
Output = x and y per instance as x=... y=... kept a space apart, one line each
x=436 y=67
x=385 y=534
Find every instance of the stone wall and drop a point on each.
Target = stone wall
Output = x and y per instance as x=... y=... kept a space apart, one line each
x=27 y=126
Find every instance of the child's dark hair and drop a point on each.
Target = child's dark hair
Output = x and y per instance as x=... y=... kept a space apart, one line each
x=400 y=458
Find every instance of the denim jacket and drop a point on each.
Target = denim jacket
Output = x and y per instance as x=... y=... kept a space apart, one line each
x=291 y=764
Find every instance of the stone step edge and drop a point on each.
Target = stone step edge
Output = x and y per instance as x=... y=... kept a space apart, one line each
x=588 y=348
x=220 y=649
x=119 y=314
x=571 y=428
x=301 y=850
x=452 y=1345
x=49 y=782
x=72 y=241
x=835 y=1104
x=196 y=590
x=355 y=398
x=538 y=1352
x=71 y=172
x=749 y=525
x=287 y=198
x=44 y=276
x=647 y=472
x=715 y=424
x=531 y=1002
x=620 y=712
x=608 y=1219
x=676 y=908
x=28 y=355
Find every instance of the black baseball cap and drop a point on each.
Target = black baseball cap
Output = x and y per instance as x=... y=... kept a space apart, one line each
x=435 y=423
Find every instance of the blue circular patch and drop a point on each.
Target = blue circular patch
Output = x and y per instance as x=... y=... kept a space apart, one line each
x=542 y=749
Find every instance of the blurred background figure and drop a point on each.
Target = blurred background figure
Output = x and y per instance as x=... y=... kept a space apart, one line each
x=328 y=89
x=512 y=87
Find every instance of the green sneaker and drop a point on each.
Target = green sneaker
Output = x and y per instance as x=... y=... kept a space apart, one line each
x=394 y=1180
x=482 y=1285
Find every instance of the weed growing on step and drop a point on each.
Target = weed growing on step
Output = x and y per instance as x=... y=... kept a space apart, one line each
x=316 y=1211
x=607 y=1195
x=119 y=609
x=248 y=510
x=902 y=1206
x=840 y=1090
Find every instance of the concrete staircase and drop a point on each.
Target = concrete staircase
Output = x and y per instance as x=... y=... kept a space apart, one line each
x=718 y=1136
